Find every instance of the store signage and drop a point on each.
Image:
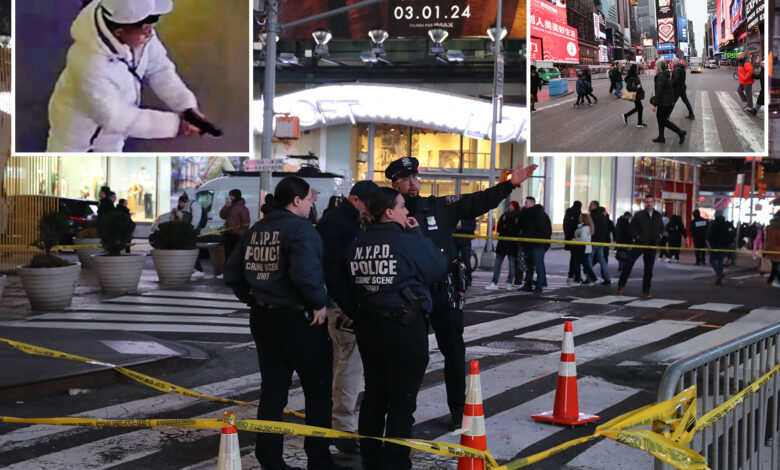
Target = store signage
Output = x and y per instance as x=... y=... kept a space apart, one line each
x=342 y=104
x=736 y=15
x=558 y=41
x=715 y=48
x=647 y=42
x=603 y=54
x=754 y=13
x=673 y=196
x=602 y=25
x=668 y=46
x=536 y=49
x=682 y=29
x=276 y=164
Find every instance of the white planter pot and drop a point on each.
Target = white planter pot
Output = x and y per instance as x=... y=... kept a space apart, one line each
x=118 y=274
x=85 y=254
x=174 y=266
x=49 y=288
x=2 y=284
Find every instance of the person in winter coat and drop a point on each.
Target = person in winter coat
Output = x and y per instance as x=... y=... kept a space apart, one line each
x=236 y=217
x=599 y=234
x=623 y=237
x=588 y=78
x=679 y=86
x=719 y=238
x=611 y=76
x=675 y=232
x=663 y=102
x=646 y=229
x=772 y=243
x=580 y=253
x=570 y=224
x=96 y=103
x=698 y=229
x=634 y=84
x=584 y=89
x=536 y=85
x=508 y=226
x=760 y=100
x=535 y=223
x=617 y=78
x=105 y=205
x=746 y=80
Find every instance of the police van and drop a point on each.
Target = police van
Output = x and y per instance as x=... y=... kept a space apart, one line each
x=213 y=194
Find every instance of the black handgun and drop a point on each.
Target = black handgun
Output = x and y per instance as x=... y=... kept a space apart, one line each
x=411 y=308
x=206 y=127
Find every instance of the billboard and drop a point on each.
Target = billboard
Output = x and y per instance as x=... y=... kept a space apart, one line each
x=684 y=48
x=558 y=42
x=666 y=46
x=603 y=54
x=596 y=27
x=665 y=15
x=682 y=29
x=754 y=13
x=647 y=42
x=736 y=15
x=667 y=57
x=406 y=18
x=715 y=48
x=536 y=49
x=553 y=10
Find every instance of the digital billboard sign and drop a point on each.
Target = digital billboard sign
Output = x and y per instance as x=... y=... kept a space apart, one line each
x=536 y=49
x=647 y=42
x=684 y=48
x=715 y=48
x=666 y=46
x=558 y=41
x=682 y=29
x=665 y=15
x=754 y=13
x=736 y=17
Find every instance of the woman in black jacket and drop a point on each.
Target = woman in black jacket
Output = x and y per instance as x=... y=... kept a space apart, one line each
x=664 y=101
x=634 y=84
x=676 y=232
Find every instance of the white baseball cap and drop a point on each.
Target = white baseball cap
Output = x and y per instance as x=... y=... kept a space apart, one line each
x=134 y=11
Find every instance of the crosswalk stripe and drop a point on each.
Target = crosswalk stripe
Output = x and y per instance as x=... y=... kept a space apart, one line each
x=581 y=326
x=190 y=295
x=604 y=454
x=605 y=300
x=148 y=300
x=157 y=327
x=654 y=303
x=139 y=318
x=169 y=309
x=711 y=138
x=715 y=307
x=750 y=136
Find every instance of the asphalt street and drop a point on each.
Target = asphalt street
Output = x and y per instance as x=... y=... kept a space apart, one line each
x=622 y=346
x=721 y=126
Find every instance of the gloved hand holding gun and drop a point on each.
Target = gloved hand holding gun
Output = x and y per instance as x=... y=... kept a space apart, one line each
x=199 y=120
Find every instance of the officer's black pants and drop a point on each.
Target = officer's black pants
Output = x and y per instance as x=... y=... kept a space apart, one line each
x=648 y=256
x=700 y=255
x=447 y=324
x=394 y=361
x=286 y=343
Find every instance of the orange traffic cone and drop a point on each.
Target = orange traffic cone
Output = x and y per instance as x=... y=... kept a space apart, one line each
x=472 y=431
x=229 y=451
x=566 y=409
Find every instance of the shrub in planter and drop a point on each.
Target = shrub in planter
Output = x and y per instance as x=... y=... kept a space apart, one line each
x=49 y=280
x=117 y=274
x=88 y=236
x=174 y=251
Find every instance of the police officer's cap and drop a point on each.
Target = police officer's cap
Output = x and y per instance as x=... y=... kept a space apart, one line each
x=402 y=167
x=363 y=189
x=135 y=11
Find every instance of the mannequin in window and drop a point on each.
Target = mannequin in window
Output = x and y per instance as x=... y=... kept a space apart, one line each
x=146 y=187
x=134 y=195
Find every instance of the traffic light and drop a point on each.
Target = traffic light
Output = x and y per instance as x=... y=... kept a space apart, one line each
x=760 y=173
x=761 y=190
x=761 y=183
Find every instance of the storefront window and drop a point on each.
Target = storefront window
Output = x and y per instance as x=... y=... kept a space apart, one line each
x=583 y=179
x=135 y=179
x=81 y=177
x=436 y=150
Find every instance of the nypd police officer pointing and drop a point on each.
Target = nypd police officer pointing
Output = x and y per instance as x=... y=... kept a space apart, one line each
x=438 y=217
x=277 y=270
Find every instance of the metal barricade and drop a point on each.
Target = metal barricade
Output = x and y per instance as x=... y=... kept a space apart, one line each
x=747 y=437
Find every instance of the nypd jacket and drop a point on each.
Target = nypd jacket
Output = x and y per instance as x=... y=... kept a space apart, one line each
x=698 y=228
x=96 y=101
x=385 y=259
x=438 y=216
x=338 y=228
x=278 y=262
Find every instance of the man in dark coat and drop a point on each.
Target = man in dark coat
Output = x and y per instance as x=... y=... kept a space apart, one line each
x=535 y=223
x=679 y=87
x=719 y=237
x=601 y=235
x=623 y=237
x=663 y=102
x=646 y=228
x=105 y=205
x=570 y=222
x=698 y=230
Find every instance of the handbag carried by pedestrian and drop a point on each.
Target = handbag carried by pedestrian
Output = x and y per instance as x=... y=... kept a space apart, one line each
x=628 y=95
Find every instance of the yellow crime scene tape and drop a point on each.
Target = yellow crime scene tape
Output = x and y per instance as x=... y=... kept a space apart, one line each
x=669 y=447
x=609 y=245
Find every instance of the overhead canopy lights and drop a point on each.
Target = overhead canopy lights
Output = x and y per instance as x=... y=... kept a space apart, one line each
x=437 y=35
x=321 y=37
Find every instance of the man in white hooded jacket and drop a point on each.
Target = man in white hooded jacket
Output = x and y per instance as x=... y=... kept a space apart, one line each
x=96 y=101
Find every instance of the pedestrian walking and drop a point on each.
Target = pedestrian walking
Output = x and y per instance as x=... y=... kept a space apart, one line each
x=236 y=217
x=617 y=78
x=193 y=212
x=536 y=86
x=508 y=226
x=634 y=85
x=663 y=252
x=719 y=237
x=698 y=229
x=570 y=223
x=675 y=232
x=611 y=76
x=535 y=223
x=390 y=267
x=589 y=88
x=96 y=103
x=338 y=229
x=760 y=100
x=746 y=80
x=758 y=240
x=679 y=86
x=623 y=237
x=663 y=103
x=582 y=252
x=438 y=217
x=599 y=234
x=772 y=243
x=646 y=227
x=105 y=204
x=277 y=271
x=583 y=89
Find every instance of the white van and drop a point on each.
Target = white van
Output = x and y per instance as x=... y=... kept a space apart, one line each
x=212 y=195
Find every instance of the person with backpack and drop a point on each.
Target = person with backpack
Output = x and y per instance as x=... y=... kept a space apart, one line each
x=583 y=88
x=719 y=237
x=675 y=232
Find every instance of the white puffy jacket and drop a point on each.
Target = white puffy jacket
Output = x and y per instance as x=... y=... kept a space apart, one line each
x=96 y=101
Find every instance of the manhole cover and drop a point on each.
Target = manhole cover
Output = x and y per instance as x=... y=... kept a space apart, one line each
x=531 y=346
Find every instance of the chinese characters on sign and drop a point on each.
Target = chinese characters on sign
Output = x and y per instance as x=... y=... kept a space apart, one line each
x=557 y=40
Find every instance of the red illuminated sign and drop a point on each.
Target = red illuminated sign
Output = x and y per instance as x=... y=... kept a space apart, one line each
x=558 y=41
x=536 y=49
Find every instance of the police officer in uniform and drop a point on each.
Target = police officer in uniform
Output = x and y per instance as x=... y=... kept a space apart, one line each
x=277 y=270
x=390 y=267
x=698 y=229
x=438 y=217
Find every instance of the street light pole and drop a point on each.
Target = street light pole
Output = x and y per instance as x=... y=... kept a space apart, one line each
x=488 y=255
x=269 y=89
